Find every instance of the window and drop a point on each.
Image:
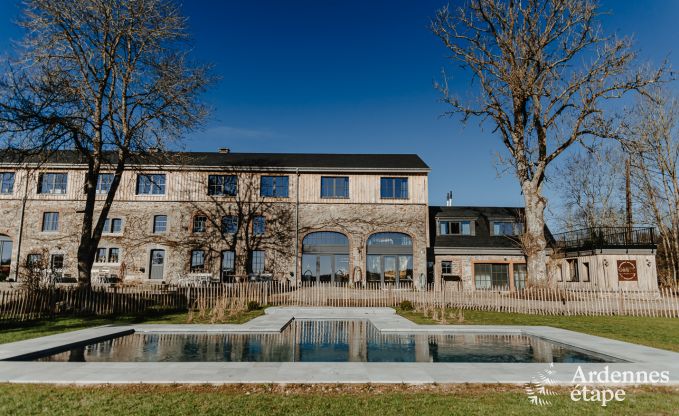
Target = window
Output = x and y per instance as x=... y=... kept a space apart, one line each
x=197 y=261
x=258 y=258
x=6 y=183
x=50 y=221
x=228 y=266
x=274 y=186
x=151 y=184
x=116 y=225
x=394 y=188
x=222 y=185
x=104 y=181
x=229 y=224
x=113 y=255
x=34 y=260
x=585 y=269
x=573 y=273
x=520 y=275
x=113 y=226
x=507 y=228
x=446 y=267
x=57 y=262
x=447 y=227
x=101 y=255
x=491 y=275
x=389 y=258
x=258 y=225
x=199 y=224
x=159 y=224
x=53 y=183
x=334 y=187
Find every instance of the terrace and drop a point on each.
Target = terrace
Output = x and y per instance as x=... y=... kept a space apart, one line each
x=599 y=238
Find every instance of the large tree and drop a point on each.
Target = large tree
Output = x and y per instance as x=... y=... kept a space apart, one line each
x=544 y=72
x=109 y=79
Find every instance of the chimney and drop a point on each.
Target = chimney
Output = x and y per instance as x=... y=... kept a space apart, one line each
x=449 y=199
x=224 y=150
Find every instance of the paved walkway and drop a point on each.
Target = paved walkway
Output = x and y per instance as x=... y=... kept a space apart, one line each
x=640 y=358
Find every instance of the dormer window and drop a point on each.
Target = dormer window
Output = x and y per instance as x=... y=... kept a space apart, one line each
x=455 y=227
x=507 y=228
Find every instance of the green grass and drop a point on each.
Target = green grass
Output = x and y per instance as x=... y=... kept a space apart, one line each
x=654 y=332
x=310 y=401
x=21 y=331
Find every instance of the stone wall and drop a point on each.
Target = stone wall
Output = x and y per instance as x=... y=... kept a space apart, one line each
x=463 y=266
x=356 y=221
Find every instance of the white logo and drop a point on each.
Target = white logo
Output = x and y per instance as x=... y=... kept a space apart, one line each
x=538 y=389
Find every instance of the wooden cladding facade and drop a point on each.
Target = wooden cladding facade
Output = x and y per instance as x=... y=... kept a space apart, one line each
x=192 y=185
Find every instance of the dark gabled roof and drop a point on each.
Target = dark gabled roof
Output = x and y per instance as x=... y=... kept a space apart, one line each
x=474 y=212
x=253 y=160
x=483 y=217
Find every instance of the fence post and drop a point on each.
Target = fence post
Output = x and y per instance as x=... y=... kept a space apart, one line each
x=52 y=302
x=115 y=301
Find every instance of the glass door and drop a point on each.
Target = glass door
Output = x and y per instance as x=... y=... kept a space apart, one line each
x=324 y=269
x=390 y=269
x=157 y=264
x=341 y=268
x=5 y=257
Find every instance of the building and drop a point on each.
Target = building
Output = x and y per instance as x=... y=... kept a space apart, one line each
x=314 y=218
x=345 y=218
x=478 y=248
x=606 y=258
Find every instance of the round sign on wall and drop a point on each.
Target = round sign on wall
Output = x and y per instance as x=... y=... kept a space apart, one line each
x=627 y=270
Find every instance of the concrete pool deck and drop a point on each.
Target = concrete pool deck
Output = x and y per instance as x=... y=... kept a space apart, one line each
x=639 y=358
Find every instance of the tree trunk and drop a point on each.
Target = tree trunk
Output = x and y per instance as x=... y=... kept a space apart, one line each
x=85 y=263
x=534 y=241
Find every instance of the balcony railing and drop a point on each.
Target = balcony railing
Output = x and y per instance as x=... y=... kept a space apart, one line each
x=606 y=237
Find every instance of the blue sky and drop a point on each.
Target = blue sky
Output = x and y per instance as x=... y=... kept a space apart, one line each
x=356 y=77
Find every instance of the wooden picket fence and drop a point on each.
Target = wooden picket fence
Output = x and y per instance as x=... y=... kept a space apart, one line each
x=21 y=305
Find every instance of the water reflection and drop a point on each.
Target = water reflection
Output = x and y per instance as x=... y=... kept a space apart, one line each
x=328 y=341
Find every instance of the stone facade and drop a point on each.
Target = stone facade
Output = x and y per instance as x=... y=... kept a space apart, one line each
x=463 y=268
x=358 y=216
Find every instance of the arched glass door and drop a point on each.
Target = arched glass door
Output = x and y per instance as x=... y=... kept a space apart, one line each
x=325 y=258
x=390 y=259
x=5 y=257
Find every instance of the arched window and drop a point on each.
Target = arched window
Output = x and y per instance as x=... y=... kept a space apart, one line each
x=390 y=259
x=325 y=257
x=5 y=256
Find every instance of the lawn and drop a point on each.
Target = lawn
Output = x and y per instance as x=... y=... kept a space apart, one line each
x=21 y=331
x=311 y=400
x=654 y=332
x=315 y=400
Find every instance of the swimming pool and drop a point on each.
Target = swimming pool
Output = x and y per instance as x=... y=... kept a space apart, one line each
x=327 y=341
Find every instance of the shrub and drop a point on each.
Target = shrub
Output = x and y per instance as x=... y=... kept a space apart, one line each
x=253 y=305
x=406 y=305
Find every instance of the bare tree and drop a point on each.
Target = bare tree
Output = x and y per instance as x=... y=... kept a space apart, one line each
x=591 y=189
x=653 y=142
x=544 y=73
x=108 y=79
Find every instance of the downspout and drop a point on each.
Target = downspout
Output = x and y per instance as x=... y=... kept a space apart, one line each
x=21 y=227
x=297 y=226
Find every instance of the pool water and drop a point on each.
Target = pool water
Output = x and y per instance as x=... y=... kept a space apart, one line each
x=328 y=341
